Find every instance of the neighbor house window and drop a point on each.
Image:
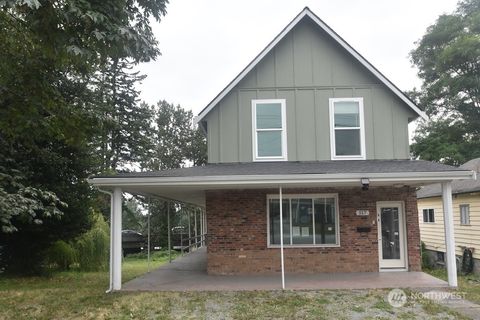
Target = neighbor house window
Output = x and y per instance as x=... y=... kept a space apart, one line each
x=465 y=214
x=428 y=215
x=269 y=130
x=308 y=220
x=347 y=132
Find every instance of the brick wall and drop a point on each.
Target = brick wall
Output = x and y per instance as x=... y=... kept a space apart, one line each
x=237 y=233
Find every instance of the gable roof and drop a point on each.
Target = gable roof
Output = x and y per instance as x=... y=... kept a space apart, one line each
x=462 y=186
x=308 y=13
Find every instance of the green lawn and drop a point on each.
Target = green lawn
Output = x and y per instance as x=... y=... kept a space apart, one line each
x=80 y=295
x=469 y=284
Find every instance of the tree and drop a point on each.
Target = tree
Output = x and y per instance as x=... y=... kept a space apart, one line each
x=125 y=135
x=52 y=54
x=447 y=57
x=178 y=144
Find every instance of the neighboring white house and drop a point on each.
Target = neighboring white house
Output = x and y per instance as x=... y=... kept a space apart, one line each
x=466 y=216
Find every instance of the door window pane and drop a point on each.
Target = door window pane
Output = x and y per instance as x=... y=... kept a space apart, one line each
x=274 y=206
x=269 y=116
x=269 y=143
x=302 y=221
x=325 y=232
x=347 y=114
x=347 y=142
x=390 y=233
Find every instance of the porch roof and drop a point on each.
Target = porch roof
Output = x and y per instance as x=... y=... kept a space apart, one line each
x=458 y=187
x=189 y=184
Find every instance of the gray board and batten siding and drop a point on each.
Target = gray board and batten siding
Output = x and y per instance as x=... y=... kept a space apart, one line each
x=306 y=68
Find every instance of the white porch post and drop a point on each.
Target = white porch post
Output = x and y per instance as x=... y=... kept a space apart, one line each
x=196 y=227
x=281 y=236
x=116 y=243
x=449 y=233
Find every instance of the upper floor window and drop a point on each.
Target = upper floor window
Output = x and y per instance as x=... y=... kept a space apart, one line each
x=429 y=215
x=269 y=130
x=465 y=214
x=347 y=129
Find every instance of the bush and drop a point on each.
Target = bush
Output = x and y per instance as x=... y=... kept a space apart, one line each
x=60 y=255
x=93 y=246
x=426 y=260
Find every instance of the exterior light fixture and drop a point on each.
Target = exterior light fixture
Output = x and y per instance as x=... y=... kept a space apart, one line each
x=365 y=183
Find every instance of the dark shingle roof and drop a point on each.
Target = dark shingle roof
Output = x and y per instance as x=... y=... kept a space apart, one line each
x=298 y=167
x=460 y=186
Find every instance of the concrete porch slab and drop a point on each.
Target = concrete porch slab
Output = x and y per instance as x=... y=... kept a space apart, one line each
x=188 y=273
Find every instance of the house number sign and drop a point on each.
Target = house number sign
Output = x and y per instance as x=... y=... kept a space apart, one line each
x=362 y=213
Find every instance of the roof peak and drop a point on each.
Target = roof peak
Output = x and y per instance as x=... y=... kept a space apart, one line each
x=307 y=12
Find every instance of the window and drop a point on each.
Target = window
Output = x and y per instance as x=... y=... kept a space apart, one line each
x=465 y=214
x=269 y=130
x=347 y=135
x=428 y=215
x=308 y=220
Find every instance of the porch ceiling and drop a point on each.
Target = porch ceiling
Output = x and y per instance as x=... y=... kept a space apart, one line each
x=189 y=184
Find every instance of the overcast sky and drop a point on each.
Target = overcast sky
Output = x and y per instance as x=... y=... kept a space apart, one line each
x=205 y=44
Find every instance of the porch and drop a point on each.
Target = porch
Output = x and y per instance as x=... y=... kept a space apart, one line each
x=189 y=273
x=235 y=199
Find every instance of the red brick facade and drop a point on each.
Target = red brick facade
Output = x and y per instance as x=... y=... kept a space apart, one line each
x=237 y=233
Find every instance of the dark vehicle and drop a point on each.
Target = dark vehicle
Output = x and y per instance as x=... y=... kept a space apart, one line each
x=132 y=242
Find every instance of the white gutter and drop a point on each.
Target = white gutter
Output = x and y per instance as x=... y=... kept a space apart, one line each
x=228 y=180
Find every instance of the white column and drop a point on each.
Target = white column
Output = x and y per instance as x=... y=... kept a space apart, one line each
x=201 y=227
x=281 y=237
x=449 y=233
x=116 y=249
x=195 y=212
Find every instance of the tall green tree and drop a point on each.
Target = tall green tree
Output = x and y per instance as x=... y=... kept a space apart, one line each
x=126 y=129
x=177 y=143
x=52 y=53
x=448 y=60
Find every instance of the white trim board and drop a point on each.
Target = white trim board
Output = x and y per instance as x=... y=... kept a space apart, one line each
x=232 y=180
x=307 y=12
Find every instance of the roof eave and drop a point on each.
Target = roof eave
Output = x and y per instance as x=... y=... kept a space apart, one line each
x=284 y=179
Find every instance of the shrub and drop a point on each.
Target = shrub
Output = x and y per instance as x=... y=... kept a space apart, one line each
x=426 y=260
x=92 y=247
x=60 y=255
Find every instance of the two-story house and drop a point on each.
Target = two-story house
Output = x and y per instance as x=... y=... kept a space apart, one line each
x=309 y=168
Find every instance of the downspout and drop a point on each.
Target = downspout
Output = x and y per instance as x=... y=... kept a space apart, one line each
x=110 y=287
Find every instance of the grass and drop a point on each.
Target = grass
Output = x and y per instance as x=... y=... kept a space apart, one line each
x=81 y=295
x=469 y=284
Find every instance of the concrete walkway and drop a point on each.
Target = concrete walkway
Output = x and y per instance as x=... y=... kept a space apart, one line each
x=189 y=273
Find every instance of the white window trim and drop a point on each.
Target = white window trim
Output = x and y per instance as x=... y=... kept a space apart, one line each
x=428 y=222
x=284 y=156
x=460 y=211
x=308 y=196
x=362 y=155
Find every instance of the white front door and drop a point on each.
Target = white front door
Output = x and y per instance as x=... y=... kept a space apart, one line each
x=391 y=235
